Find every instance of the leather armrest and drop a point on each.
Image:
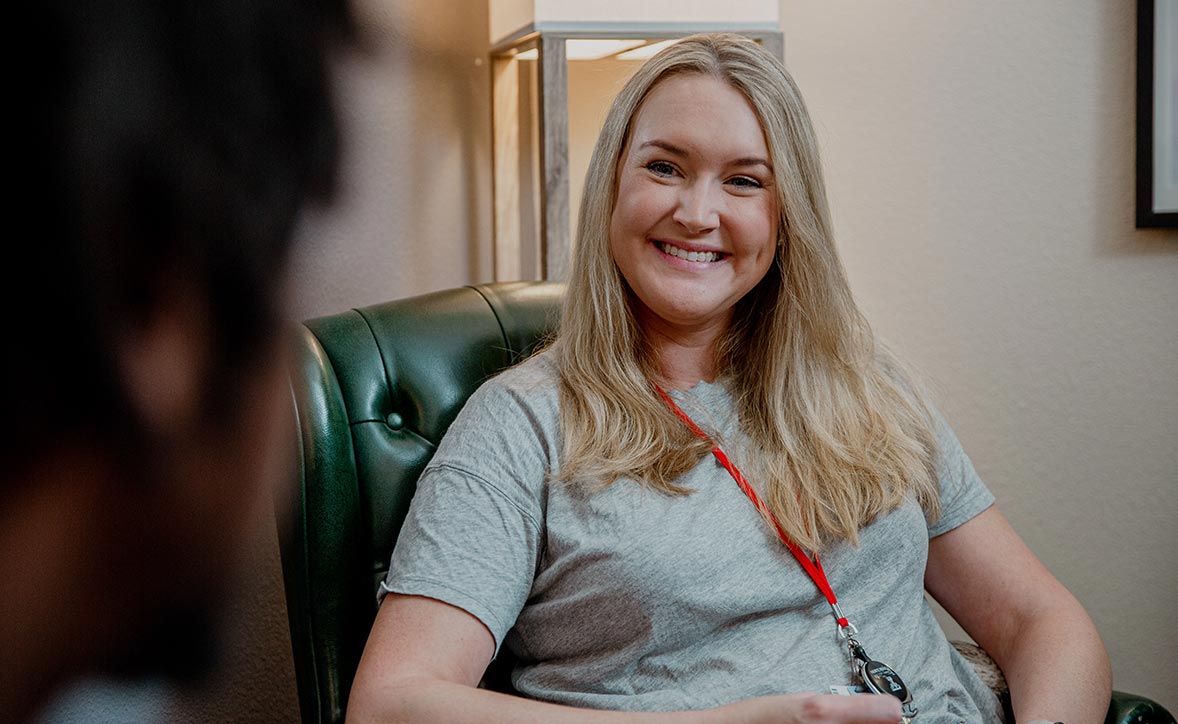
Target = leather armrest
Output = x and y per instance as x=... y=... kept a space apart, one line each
x=1134 y=709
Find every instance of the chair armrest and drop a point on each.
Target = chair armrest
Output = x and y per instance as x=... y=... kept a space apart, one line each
x=1134 y=709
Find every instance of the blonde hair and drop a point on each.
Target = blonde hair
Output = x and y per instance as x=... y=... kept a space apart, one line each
x=841 y=434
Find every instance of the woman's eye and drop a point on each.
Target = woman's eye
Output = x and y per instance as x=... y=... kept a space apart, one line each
x=745 y=182
x=660 y=168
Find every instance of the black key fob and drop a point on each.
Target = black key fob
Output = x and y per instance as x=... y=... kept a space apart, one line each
x=881 y=679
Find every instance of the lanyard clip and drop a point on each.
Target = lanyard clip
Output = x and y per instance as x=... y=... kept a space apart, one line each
x=849 y=633
x=846 y=629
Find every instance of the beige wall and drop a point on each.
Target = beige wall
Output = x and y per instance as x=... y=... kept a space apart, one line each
x=980 y=163
x=415 y=209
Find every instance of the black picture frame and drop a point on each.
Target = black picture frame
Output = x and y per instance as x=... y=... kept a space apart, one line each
x=1152 y=156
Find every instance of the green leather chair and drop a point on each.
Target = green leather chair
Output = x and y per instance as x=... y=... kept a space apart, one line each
x=374 y=391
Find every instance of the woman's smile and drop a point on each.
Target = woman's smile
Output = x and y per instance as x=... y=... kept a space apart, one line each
x=690 y=253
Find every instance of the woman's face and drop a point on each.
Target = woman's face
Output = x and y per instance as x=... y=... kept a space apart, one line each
x=695 y=223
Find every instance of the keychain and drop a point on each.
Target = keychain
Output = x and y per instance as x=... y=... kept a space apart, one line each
x=877 y=677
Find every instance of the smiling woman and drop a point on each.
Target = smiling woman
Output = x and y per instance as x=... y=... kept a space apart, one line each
x=695 y=226
x=655 y=513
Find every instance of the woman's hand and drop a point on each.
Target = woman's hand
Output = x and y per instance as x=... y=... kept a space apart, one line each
x=814 y=709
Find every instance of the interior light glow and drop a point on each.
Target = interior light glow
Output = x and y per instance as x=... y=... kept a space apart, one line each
x=594 y=48
x=646 y=51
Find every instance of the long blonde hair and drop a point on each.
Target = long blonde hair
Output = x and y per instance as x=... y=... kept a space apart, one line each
x=841 y=433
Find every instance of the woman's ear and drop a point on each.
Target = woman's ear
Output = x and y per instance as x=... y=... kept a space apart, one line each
x=163 y=359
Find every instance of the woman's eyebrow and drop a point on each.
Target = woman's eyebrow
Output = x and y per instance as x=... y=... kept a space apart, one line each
x=751 y=161
x=666 y=146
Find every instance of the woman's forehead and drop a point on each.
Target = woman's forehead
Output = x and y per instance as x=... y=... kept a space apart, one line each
x=698 y=113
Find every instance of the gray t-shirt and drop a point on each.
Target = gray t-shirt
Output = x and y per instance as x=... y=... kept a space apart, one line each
x=625 y=598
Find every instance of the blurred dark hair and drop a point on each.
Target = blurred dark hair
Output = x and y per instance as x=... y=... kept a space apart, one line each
x=161 y=140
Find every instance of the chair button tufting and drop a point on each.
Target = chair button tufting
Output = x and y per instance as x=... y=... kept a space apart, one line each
x=394 y=421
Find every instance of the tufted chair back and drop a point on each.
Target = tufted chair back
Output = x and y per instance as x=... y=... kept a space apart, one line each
x=374 y=391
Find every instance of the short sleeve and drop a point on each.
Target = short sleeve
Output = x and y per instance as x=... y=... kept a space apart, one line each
x=473 y=533
x=963 y=494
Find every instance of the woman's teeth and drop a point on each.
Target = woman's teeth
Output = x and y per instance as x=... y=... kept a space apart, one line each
x=689 y=255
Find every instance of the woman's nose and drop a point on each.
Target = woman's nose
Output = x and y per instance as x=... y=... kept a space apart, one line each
x=697 y=209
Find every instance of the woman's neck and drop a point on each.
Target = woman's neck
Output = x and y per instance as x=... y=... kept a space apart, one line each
x=685 y=356
x=680 y=373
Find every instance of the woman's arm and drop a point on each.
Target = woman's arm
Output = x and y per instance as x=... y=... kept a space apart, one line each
x=424 y=659
x=1035 y=630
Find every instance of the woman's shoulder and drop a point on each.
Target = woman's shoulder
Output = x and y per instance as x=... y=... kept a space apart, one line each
x=509 y=428
x=535 y=373
x=531 y=383
x=526 y=392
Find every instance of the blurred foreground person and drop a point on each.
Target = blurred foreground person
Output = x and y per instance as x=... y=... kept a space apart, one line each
x=164 y=154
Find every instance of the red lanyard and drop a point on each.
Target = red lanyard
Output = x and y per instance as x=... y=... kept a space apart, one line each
x=812 y=567
x=877 y=677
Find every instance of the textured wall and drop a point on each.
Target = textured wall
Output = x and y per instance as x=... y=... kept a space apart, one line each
x=980 y=162
x=415 y=209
